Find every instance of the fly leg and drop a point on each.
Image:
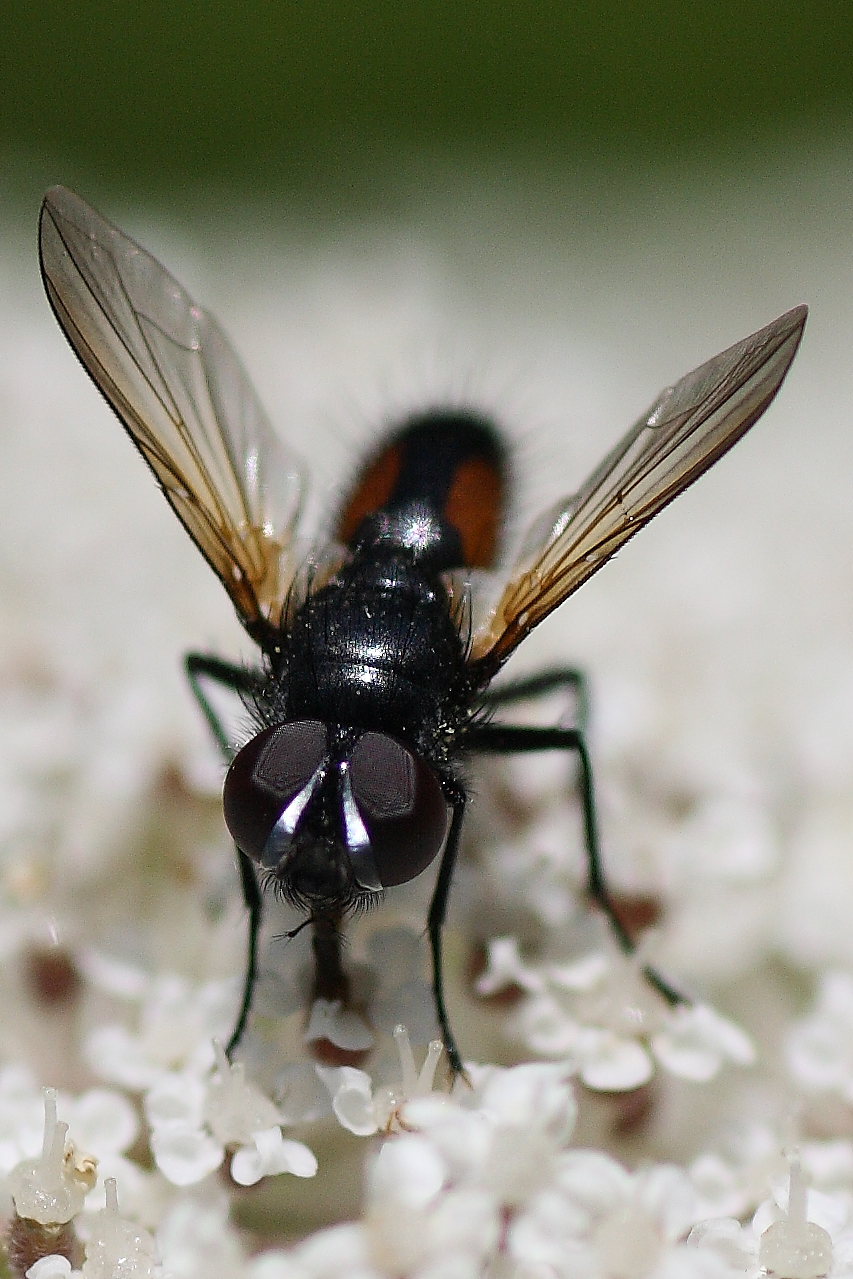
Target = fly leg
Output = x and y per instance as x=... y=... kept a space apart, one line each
x=237 y=679
x=455 y=795
x=505 y=739
x=540 y=685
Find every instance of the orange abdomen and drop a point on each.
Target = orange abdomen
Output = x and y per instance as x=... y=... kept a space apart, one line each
x=440 y=480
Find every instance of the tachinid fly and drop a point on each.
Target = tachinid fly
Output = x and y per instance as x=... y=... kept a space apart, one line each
x=373 y=683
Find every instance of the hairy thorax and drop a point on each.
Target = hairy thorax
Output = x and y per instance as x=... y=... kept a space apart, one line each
x=377 y=648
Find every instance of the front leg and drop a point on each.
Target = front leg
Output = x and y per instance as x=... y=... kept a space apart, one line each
x=435 y=921
x=239 y=680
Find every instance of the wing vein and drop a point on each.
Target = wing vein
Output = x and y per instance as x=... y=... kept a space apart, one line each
x=689 y=426
x=170 y=374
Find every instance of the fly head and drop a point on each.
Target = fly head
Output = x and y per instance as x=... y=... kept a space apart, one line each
x=332 y=818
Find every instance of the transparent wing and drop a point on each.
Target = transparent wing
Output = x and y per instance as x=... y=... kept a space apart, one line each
x=690 y=426
x=172 y=377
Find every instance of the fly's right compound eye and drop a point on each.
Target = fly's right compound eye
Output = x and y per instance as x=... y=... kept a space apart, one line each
x=265 y=775
x=401 y=806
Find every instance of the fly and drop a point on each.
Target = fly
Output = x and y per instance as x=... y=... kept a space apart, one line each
x=372 y=684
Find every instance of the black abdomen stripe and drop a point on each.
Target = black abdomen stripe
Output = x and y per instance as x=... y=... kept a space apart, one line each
x=450 y=462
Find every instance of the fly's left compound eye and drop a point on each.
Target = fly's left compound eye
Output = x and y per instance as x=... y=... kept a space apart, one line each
x=265 y=775
x=401 y=804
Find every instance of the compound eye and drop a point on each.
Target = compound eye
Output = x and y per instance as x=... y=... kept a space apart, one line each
x=401 y=804
x=265 y=775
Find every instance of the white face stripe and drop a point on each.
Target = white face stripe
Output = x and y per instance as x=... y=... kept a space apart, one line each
x=358 y=841
x=281 y=835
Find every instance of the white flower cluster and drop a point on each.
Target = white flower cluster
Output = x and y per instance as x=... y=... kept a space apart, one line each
x=603 y=1019
x=628 y=1139
x=483 y=1181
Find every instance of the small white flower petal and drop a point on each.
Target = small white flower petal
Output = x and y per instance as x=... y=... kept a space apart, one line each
x=52 y=1267
x=103 y=1121
x=301 y=1094
x=234 y=1108
x=464 y=1138
x=340 y=1026
x=176 y=1099
x=697 y=1041
x=547 y=1027
x=270 y=1154
x=548 y=1231
x=666 y=1193
x=332 y=1253
x=628 y=1242
x=195 y=1237
x=276 y=1264
x=532 y=1096
x=183 y=1154
x=505 y=968
x=732 y=1242
x=820 y=1046
x=592 y=1181
x=612 y=1064
x=407 y=1170
x=584 y=974
x=21 y=1117
x=297 y=1159
x=352 y=1098
x=115 y=1055
x=462 y=1230
x=112 y=975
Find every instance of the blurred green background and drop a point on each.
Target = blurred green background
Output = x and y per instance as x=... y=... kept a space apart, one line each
x=325 y=101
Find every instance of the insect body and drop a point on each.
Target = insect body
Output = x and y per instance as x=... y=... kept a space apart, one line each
x=373 y=686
